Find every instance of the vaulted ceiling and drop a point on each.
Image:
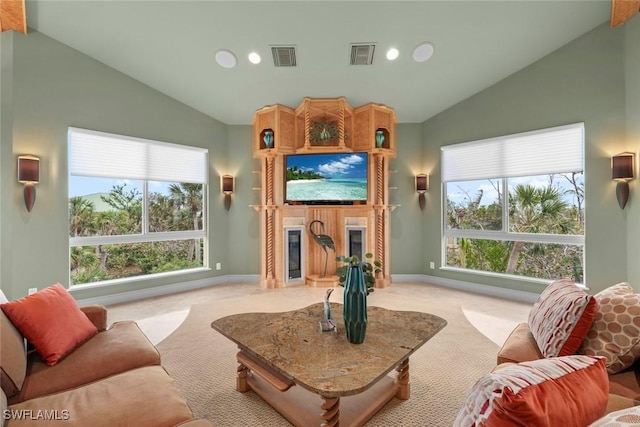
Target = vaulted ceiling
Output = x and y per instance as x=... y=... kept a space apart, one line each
x=171 y=46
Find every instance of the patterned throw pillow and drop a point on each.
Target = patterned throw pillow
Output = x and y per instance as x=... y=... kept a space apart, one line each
x=569 y=391
x=629 y=417
x=561 y=317
x=615 y=333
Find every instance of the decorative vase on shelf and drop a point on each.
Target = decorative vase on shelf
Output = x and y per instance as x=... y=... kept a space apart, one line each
x=354 y=310
x=379 y=138
x=268 y=138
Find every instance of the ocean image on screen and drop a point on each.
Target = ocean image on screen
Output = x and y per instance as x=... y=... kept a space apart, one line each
x=334 y=177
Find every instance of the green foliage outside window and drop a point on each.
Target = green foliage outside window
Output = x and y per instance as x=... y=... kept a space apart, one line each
x=180 y=210
x=551 y=209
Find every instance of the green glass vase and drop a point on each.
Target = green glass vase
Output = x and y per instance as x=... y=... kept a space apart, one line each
x=354 y=310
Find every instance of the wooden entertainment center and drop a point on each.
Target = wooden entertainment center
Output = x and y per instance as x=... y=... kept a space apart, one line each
x=288 y=251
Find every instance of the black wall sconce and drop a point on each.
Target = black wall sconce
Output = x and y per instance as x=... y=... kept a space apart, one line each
x=422 y=186
x=622 y=170
x=29 y=175
x=227 y=190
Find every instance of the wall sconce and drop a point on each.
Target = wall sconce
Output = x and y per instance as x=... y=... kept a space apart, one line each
x=422 y=186
x=227 y=190
x=622 y=170
x=29 y=175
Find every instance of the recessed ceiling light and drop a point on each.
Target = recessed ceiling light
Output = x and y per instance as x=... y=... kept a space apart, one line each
x=423 y=51
x=226 y=58
x=392 y=54
x=254 y=58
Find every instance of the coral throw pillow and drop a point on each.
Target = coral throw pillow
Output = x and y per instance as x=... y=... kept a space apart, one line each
x=51 y=320
x=561 y=317
x=569 y=391
x=615 y=333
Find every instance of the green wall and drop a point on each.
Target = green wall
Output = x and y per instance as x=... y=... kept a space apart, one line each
x=632 y=81
x=6 y=169
x=46 y=86
x=407 y=219
x=580 y=82
x=244 y=228
x=55 y=87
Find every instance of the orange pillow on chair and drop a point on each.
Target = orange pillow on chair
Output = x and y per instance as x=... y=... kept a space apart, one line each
x=568 y=391
x=52 y=321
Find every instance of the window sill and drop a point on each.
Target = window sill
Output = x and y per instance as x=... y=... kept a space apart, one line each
x=125 y=280
x=505 y=276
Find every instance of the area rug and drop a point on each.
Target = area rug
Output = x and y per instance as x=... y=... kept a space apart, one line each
x=202 y=361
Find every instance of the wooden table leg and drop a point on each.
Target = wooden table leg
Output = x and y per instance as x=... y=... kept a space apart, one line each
x=402 y=379
x=241 y=380
x=331 y=415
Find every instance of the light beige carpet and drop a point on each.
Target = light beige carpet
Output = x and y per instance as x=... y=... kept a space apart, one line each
x=202 y=361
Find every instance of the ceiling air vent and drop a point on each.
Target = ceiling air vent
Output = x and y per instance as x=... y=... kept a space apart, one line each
x=284 y=56
x=362 y=53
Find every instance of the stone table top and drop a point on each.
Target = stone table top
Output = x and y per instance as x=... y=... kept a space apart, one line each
x=325 y=362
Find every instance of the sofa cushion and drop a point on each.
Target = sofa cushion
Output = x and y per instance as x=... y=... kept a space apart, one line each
x=629 y=417
x=51 y=320
x=561 y=317
x=626 y=383
x=569 y=391
x=120 y=348
x=615 y=332
x=144 y=397
x=13 y=357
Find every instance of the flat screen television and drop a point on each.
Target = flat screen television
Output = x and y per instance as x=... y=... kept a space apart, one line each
x=336 y=178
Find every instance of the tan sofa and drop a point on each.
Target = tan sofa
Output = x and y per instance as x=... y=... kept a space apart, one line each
x=624 y=387
x=113 y=379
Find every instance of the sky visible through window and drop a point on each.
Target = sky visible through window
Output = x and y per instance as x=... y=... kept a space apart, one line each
x=84 y=185
x=460 y=192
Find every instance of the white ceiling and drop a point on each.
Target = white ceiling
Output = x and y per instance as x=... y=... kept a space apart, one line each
x=170 y=46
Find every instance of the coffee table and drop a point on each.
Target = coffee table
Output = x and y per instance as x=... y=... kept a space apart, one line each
x=319 y=378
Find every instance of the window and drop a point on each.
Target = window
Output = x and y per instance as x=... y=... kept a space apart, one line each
x=136 y=206
x=515 y=204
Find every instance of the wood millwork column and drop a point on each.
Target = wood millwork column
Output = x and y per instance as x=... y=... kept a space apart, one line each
x=381 y=219
x=269 y=264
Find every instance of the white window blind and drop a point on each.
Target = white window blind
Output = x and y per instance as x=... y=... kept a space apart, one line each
x=546 y=151
x=107 y=155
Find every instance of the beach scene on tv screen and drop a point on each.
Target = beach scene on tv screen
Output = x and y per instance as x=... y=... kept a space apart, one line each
x=327 y=177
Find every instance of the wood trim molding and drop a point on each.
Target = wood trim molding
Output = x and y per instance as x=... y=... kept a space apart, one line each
x=13 y=16
x=623 y=10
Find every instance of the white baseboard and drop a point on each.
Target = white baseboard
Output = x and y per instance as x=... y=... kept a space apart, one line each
x=476 y=288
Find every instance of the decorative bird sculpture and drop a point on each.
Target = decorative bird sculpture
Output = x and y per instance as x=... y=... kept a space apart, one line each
x=327 y=324
x=324 y=241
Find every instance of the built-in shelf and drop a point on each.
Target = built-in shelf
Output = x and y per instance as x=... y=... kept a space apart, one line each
x=322 y=125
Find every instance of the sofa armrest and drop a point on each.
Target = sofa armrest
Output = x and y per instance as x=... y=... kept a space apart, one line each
x=97 y=314
x=617 y=403
x=520 y=346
